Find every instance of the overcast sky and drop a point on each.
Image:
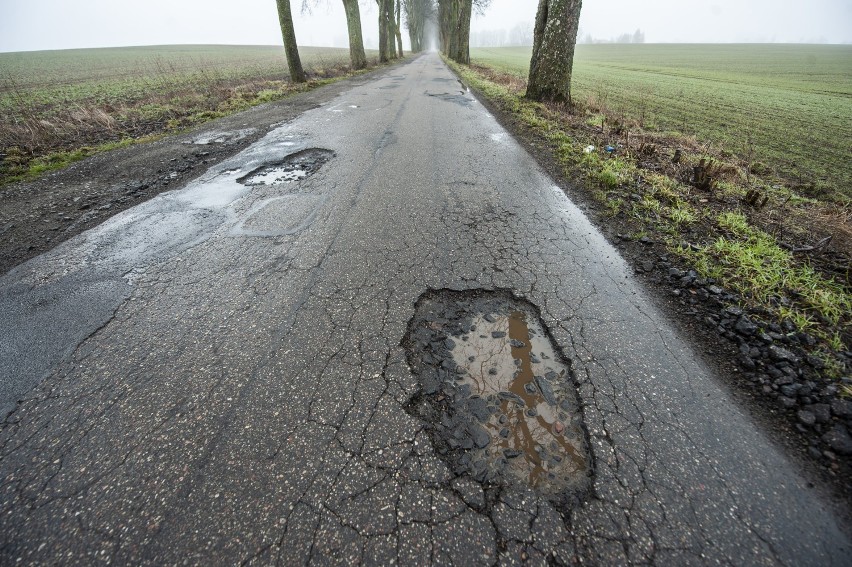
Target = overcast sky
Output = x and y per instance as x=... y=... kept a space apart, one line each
x=60 y=24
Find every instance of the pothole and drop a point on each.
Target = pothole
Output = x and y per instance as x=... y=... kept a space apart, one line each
x=294 y=167
x=498 y=396
x=460 y=98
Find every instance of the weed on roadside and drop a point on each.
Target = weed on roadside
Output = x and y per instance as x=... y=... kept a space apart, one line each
x=749 y=234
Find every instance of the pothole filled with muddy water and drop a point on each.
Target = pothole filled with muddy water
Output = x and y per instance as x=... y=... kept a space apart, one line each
x=294 y=167
x=497 y=394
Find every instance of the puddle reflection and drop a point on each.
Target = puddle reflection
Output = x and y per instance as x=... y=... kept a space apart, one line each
x=511 y=363
x=498 y=396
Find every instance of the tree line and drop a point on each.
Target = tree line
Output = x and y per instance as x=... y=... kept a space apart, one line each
x=448 y=23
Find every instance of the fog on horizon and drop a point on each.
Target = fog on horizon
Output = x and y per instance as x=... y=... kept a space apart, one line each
x=29 y=25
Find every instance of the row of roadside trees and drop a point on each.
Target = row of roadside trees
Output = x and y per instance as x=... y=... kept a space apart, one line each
x=554 y=37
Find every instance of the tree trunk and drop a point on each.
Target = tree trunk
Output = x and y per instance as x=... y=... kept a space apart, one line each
x=412 y=37
x=285 y=18
x=454 y=19
x=399 y=26
x=452 y=29
x=462 y=54
x=553 y=50
x=356 y=41
x=444 y=24
x=383 y=30
x=391 y=23
x=419 y=15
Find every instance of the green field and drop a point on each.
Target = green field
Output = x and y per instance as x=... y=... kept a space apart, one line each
x=788 y=106
x=57 y=106
x=125 y=74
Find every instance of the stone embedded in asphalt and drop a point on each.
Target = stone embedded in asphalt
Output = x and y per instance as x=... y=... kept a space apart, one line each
x=732 y=311
x=807 y=418
x=822 y=412
x=790 y=390
x=782 y=379
x=839 y=440
x=745 y=327
x=480 y=436
x=510 y=397
x=841 y=408
x=746 y=362
x=546 y=390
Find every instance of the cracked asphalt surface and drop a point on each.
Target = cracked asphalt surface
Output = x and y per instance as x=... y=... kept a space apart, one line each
x=217 y=375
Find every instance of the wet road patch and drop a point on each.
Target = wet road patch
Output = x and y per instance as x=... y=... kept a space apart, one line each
x=497 y=395
x=221 y=137
x=460 y=98
x=280 y=216
x=294 y=167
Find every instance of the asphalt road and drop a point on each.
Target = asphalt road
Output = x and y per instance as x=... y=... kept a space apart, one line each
x=219 y=375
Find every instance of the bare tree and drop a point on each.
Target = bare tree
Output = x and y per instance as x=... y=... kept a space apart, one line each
x=357 y=57
x=419 y=19
x=521 y=34
x=398 y=27
x=454 y=23
x=556 y=27
x=383 y=31
x=285 y=18
x=387 y=30
x=390 y=7
x=356 y=41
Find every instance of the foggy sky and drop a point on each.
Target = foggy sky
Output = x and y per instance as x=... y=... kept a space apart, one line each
x=27 y=25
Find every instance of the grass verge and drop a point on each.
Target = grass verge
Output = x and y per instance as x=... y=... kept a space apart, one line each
x=785 y=256
x=19 y=165
x=60 y=107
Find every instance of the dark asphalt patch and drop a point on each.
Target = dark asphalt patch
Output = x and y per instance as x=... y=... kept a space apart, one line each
x=460 y=98
x=294 y=167
x=497 y=395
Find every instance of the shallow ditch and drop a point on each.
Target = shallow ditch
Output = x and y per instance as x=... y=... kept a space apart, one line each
x=294 y=167
x=497 y=395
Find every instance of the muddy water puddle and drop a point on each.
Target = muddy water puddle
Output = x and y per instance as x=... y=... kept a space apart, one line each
x=499 y=397
x=294 y=167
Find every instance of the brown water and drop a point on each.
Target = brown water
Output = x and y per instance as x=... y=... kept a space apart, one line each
x=536 y=436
